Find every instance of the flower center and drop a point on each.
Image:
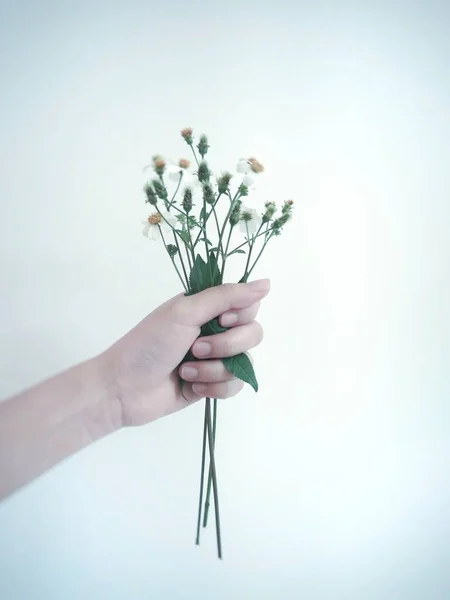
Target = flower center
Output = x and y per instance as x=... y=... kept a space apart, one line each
x=154 y=219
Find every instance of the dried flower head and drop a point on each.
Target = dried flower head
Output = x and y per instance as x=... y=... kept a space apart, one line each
x=186 y=134
x=184 y=163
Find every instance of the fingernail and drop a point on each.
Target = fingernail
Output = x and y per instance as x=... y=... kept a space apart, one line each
x=199 y=388
x=229 y=318
x=189 y=373
x=202 y=349
x=260 y=285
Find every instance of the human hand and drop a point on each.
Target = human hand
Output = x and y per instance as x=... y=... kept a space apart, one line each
x=142 y=368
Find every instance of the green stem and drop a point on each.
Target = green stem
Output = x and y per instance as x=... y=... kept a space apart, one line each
x=202 y=478
x=213 y=476
x=233 y=202
x=181 y=258
x=173 y=260
x=176 y=191
x=259 y=255
x=225 y=255
x=208 y=489
x=256 y=236
x=194 y=153
x=176 y=234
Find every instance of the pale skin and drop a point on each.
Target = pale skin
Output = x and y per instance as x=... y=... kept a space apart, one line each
x=133 y=382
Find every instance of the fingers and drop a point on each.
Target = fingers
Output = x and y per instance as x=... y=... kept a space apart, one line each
x=224 y=389
x=229 y=343
x=239 y=317
x=204 y=306
x=205 y=371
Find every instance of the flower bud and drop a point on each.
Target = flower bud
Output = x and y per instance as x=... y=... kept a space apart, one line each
x=160 y=189
x=187 y=200
x=186 y=134
x=235 y=213
x=152 y=198
x=224 y=182
x=287 y=207
x=271 y=209
x=203 y=172
x=243 y=190
x=172 y=250
x=203 y=145
x=208 y=194
x=277 y=226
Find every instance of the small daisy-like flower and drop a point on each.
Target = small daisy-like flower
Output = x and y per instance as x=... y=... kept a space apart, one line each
x=250 y=221
x=186 y=134
x=249 y=165
x=156 y=221
x=174 y=172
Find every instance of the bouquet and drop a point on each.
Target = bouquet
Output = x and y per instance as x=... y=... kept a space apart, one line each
x=198 y=217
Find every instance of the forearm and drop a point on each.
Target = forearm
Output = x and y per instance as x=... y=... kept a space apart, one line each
x=51 y=421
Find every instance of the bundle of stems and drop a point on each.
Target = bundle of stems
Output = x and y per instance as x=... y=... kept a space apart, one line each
x=200 y=263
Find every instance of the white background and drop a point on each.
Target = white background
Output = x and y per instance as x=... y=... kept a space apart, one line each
x=334 y=479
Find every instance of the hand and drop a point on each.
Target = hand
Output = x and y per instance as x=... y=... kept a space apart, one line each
x=142 y=367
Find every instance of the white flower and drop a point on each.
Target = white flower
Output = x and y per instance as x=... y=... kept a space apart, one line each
x=243 y=166
x=156 y=221
x=248 y=180
x=250 y=220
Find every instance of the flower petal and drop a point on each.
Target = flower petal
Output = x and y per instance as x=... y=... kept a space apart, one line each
x=243 y=166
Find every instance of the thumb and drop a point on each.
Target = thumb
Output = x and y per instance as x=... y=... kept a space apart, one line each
x=204 y=306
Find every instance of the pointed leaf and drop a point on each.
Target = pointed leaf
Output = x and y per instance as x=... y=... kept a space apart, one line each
x=198 y=276
x=241 y=367
x=239 y=251
x=212 y=327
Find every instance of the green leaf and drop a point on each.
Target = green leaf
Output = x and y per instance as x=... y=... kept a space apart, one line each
x=214 y=249
x=212 y=327
x=204 y=275
x=239 y=251
x=215 y=275
x=205 y=240
x=241 y=367
x=198 y=277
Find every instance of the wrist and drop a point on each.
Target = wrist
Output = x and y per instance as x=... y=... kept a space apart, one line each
x=105 y=411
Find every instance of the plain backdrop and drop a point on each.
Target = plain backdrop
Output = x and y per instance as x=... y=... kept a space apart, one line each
x=334 y=479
